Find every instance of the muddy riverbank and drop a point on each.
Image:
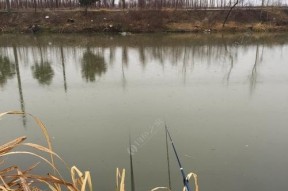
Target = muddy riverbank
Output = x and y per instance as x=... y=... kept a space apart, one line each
x=76 y=21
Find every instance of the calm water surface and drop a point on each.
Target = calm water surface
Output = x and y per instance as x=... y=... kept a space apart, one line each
x=223 y=97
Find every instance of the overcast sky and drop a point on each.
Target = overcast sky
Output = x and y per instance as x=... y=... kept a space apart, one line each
x=270 y=1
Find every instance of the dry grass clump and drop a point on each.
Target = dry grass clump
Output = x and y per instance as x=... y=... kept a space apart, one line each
x=120 y=180
x=188 y=177
x=259 y=27
x=14 y=178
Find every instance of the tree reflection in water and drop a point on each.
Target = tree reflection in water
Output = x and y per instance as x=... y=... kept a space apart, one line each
x=93 y=65
x=7 y=70
x=43 y=72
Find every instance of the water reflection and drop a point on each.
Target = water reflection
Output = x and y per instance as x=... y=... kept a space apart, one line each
x=21 y=97
x=142 y=56
x=43 y=72
x=124 y=64
x=254 y=73
x=93 y=64
x=112 y=55
x=186 y=60
x=63 y=68
x=7 y=70
x=253 y=76
x=184 y=54
x=231 y=58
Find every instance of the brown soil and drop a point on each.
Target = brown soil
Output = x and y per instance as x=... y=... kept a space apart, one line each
x=66 y=21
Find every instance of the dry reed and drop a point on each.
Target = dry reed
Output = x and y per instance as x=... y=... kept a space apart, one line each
x=188 y=177
x=120 y=180
x=13 y=178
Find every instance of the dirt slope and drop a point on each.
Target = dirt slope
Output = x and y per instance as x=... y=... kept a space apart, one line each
x=144 y=21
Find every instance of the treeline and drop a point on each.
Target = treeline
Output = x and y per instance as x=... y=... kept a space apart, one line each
x=136 y=4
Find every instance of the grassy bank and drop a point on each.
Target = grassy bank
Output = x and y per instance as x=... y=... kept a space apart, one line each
x=76 y=21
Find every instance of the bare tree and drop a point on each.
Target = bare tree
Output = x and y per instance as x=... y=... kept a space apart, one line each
x=123 y=4
x=227 y=16
x=35 y=6
x=8 y=5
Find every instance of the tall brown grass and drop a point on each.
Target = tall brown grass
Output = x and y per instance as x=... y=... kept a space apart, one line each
x=120 y=180
x=14 y=178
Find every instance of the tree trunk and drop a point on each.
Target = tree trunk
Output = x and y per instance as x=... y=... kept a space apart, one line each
x=35 y=6
x=229 y=12
x=8 y=5
x=86 y=9
x=123 y=4
x=140 y=4
x=262 y=6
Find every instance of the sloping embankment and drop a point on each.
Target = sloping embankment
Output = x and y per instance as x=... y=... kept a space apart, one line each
x=71 y=21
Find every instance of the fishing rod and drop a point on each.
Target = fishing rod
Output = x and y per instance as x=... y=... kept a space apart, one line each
x=131 y=165
x=168 y=160
x=185 y=180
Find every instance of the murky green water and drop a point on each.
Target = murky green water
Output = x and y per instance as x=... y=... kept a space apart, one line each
x=223 y=97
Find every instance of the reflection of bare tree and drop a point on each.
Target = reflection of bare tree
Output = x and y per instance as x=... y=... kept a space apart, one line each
x=125 y=58
x=231 y=63
x=157 y=52
x=93 y=65
x=230 y=68
x=63 y=68
x=7 y=70
x=124 y=82
x=253 y=76
x=209 y=54
x=262 y=54
x=124 y=63
x=176 y=52
x=185 y=63
x=142 y=57
x=19 y=86
x=112 y=55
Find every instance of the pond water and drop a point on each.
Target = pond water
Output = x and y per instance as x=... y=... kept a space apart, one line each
x=223 y=97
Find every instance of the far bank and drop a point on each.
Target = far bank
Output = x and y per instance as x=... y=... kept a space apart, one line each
x=138 y=21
